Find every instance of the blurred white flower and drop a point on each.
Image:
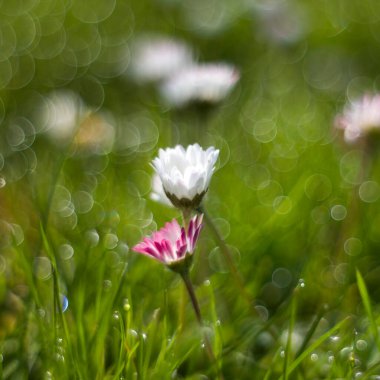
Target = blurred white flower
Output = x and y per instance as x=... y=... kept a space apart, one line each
x=158 y=192
x=186 y=173
x=203 y=83
x=360 y=117
x=62 y=113
x=155 y=58
x=68 y=120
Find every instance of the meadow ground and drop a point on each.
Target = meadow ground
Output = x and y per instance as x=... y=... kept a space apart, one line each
x=286 y=269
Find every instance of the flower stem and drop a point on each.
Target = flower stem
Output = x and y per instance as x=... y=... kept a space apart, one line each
x=190 y=289
x=228 y=257
x=186 y=215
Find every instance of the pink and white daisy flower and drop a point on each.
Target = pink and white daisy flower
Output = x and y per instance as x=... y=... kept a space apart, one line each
x=172 y=244
x=360 y=117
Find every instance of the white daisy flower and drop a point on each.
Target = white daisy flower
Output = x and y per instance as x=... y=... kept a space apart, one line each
x=158 y=194
x=185 y=173
x=155 y=58
x=360 y=117
x=203 y=83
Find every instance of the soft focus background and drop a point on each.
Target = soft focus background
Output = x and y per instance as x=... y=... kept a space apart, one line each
x=299 y=208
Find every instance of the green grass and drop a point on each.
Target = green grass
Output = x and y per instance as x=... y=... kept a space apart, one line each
x=297 y=208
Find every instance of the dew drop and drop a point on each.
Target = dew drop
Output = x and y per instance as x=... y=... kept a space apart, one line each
x=41 y=313
x=218 y=323
x=92 y=237
x=361 y=345
x=107 y=284
x=42 y=268
x=2 y=182
x=207 y=283
x=282 y=353
x=314 y=357
x=126 y=305
x=64 y=302
x=66 y=251
x=60 y=358
x=116 y=315
x=18 y=234
x=301 y=283
x=133 y=333
x=345 y=352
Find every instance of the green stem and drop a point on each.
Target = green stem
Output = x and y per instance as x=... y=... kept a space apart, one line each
x=190 y=289
x=186 y=215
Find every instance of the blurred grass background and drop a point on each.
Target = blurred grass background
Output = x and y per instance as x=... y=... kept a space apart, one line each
x=299 y=208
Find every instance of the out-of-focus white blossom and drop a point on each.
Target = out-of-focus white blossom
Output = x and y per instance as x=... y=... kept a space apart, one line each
x=68 y=120
x=185 y=173
x=281 y=22
x=155 y=58
x=62 y=114
x=203 y=83
x=360 y=117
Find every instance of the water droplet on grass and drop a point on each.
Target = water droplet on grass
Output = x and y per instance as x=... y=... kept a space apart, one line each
x=66 y=251
x=314 y=357
x=361 y=345
x=64 y=302
x=42 y=268
x=301 y=283
x=107 y=284
x=92 y=238
x=126 y=305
